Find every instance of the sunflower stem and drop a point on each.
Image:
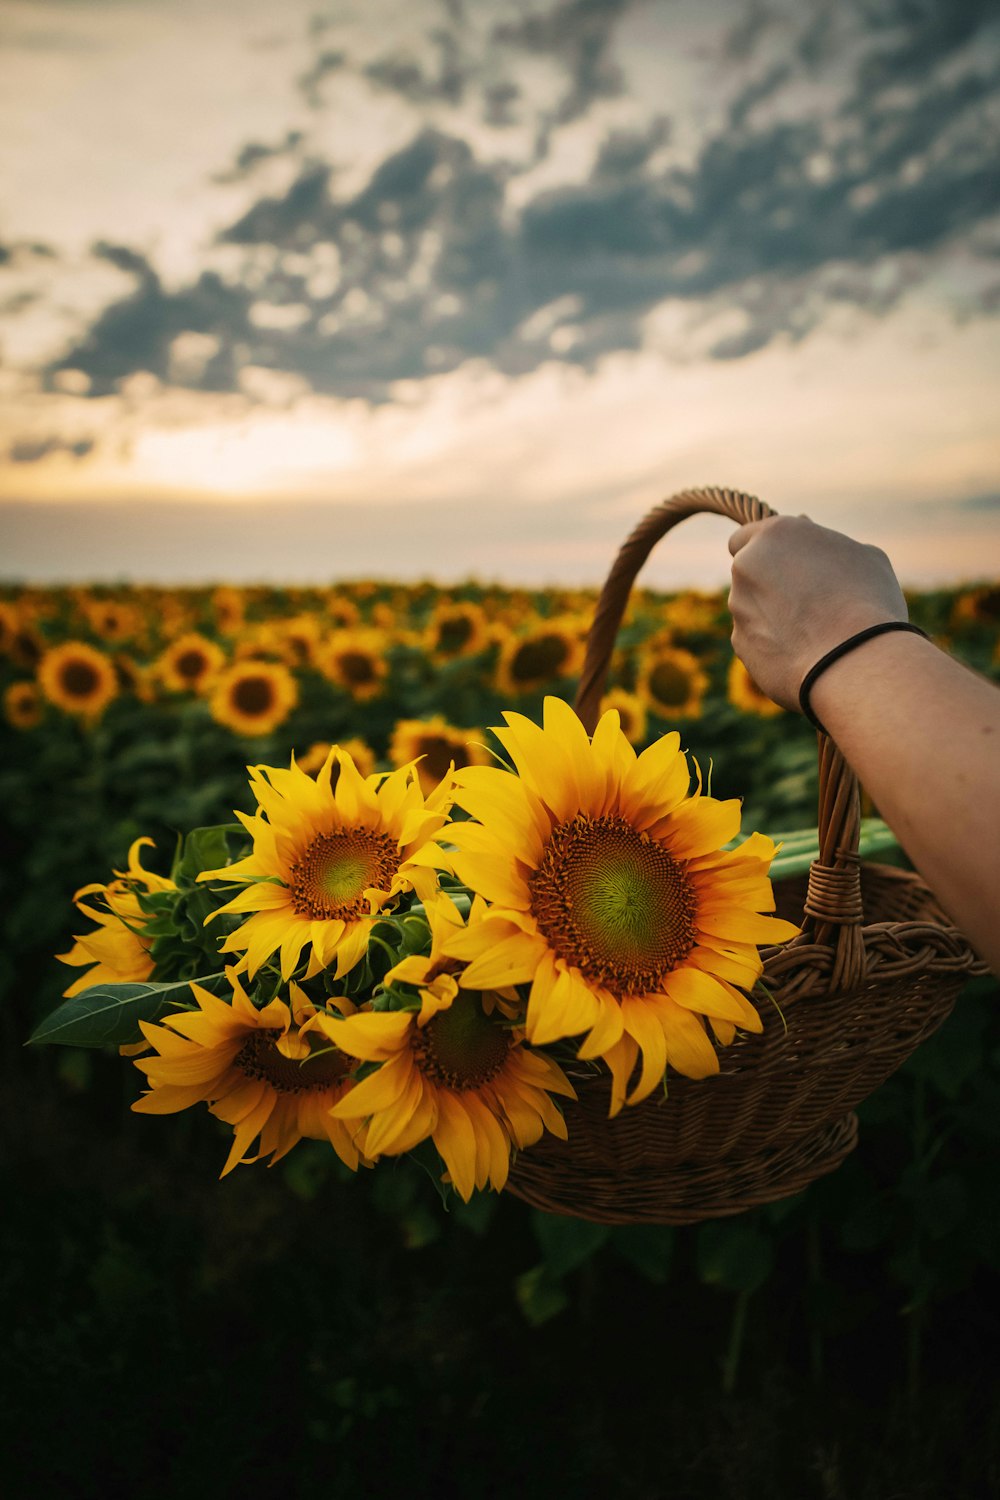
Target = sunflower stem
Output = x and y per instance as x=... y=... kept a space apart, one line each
x=731 y=1363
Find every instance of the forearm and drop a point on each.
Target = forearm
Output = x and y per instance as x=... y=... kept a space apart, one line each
x=892 y=707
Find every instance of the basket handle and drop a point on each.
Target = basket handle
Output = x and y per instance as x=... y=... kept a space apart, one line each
x=833 y=911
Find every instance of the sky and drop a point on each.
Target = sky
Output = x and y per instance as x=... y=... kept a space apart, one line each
x=451 y=288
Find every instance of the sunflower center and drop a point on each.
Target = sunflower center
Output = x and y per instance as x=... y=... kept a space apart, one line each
x=461 y=1047
x=79 y=679
x=438 y=753
x=259 y=1058
x=669 y=684
x=538 y=659
x=253 y=695
x=191 y=664
x=452 y=634
x=357 y=667
x=613 y=903
x=328 y=882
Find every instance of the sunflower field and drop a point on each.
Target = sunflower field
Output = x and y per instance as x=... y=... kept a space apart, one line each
x=169 y=1324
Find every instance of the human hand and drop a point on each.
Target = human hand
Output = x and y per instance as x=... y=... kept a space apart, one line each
x=798 y=590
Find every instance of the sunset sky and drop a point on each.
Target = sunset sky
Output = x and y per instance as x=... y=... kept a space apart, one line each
x=447 y=287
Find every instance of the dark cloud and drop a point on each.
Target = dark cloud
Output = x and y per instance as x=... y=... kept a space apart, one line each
x=913 y=37
x=775 y=221
x=324 y=64
x=31 y=450
x=578 y=33
x=250 y=156
x=136 y=333
x=401 y=74
x=741 y=40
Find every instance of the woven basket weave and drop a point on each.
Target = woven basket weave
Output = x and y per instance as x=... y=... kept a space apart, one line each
x=875 y=970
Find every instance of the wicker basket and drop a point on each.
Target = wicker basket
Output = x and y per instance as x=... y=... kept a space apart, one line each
x=876 y=969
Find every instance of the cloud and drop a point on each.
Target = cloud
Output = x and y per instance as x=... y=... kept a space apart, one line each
x=31 y=450
x=578 y=33
x=791 y=205
x=250 y=156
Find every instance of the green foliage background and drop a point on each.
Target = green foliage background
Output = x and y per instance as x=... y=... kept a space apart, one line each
x=299 y=1327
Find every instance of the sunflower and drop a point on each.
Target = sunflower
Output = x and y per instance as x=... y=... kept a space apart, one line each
x=265 y=1072
x=342 y=612
x=355 y=661
x=611 y=894
x=454 y=1070
x=113 y=620
x=553 y=649
x=436 y=745
x=228 y=606
x=456 y=630
x=326 y=859
x=78 y=679
x=692 y=613
x=979 y=606
x=117 y=950
x=299 y=639
x=631 y=714
x=10 y=624
x=671 y=682
x=744 y=693
x=190 y=663
x=22 y=705
x=253 y=697
x=359 y=750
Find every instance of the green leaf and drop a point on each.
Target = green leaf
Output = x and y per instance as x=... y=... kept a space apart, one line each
x=540 y=1296
x=648 y=1248
x=734 y=1256
x=205 y=849
x=109 y=1014
x=567 y=1243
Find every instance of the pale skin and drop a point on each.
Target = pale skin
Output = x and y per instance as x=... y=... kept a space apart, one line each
x=921 y=731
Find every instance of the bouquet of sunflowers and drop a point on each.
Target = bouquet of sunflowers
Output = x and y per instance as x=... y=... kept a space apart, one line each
x=358 y=962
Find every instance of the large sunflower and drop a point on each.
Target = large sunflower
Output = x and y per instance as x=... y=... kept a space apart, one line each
x=267 y=1072
x=454 y=1070
x=78 y=678
x=253 y=697
x=612 y=896
x=326 y=859
x=117 y=950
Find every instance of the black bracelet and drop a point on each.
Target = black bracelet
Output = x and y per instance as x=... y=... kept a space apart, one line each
x=842 y=650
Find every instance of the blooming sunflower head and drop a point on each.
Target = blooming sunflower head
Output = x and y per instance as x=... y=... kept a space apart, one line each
x=355 y=661
x=253 y=697
x=22 y=705
x=456 y=629
x=326 y=859
x=189 y=663
x=265 y=1070
x=117 y=950
x=436 y=746
x=612 y=894
x=313 y=759
x=452 y=1068
x=78 y=678
x=671 y=682
x=551 y=650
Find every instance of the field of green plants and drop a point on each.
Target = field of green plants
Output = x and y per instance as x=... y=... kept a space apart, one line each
x=164 y=1325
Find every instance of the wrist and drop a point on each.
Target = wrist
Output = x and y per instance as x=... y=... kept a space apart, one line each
x=820 y=683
